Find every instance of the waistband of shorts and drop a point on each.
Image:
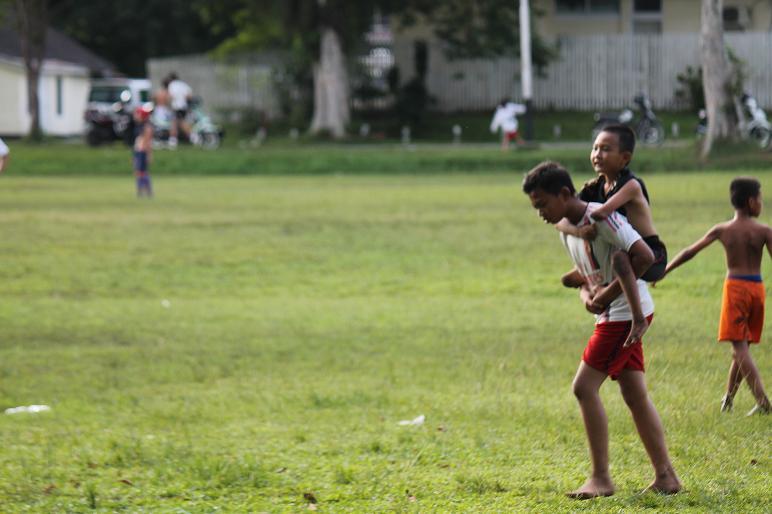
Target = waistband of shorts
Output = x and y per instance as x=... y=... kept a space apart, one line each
x=745 y=278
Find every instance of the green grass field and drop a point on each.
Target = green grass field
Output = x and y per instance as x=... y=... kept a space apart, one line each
x=248 y=344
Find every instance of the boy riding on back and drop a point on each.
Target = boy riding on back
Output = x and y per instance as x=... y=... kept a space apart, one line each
x=742 y=308
x=614 y=350
x=618 y=189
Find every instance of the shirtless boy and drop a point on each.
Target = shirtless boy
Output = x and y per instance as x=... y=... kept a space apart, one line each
x=742 y=307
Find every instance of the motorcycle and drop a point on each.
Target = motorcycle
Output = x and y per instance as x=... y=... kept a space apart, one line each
x=754 y=126
x=647 y=127
x=203 y=131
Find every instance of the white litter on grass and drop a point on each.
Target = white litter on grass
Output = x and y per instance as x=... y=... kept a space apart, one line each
x=28 y=408
x=166 y=303
x=413 y=422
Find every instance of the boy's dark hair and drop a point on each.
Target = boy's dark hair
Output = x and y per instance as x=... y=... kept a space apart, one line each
x=625 y=134
x=551 y=177
x=743 y=189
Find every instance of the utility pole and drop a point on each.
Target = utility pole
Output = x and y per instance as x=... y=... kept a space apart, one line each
x=526 y=78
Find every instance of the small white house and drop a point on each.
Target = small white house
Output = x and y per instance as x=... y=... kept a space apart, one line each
x=63 y=89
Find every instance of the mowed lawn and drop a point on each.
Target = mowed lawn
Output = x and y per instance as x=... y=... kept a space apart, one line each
x=251 y=344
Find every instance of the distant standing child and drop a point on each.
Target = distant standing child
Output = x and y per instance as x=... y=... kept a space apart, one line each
x=613 y=350
x=618 y=189
x=180 y=95
x=143 y=148
x=505 y=118
x=742 y=307
x=4 y=153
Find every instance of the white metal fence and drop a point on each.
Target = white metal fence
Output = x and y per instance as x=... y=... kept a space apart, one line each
x=592 y=72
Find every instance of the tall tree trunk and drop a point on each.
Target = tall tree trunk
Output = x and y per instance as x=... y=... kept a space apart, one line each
x=331 y=91
x=32 y=23
x=722 y=122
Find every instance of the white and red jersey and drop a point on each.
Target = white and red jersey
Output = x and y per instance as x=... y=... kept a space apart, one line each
x=593 y=260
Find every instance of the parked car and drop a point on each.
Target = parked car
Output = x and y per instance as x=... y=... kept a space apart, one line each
x=111 y=103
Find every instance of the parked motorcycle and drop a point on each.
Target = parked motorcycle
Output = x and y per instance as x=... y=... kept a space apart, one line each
x=203 y=131
x=755 y=127
x=647 y=127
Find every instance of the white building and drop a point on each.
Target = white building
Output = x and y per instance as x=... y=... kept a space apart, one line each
x=64 y=84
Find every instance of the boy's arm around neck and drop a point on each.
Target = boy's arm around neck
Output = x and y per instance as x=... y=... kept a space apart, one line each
x=628 y=192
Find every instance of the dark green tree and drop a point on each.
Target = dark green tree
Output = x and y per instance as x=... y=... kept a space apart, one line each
x=320 y=33
x=128 y=32
x=31 y=19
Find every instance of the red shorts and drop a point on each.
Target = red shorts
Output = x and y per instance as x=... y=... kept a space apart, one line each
x=511 y=136
x=606 y=353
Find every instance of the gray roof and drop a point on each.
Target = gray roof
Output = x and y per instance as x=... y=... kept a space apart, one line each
x=58 y=46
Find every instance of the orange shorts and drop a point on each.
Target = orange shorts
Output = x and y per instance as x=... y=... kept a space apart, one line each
x=742 y=311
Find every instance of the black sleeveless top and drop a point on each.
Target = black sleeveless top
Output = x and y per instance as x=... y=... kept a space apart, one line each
x=593 y=191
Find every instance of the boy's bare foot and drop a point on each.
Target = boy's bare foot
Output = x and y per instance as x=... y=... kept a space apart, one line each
x=726 y=403
x=593 y=488
x=637 y=329
x=666 y=483
x=759 y=409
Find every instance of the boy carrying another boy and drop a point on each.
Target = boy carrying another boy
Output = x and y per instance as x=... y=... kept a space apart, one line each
x=742 y=307
x=618 y=189
x=613 y=349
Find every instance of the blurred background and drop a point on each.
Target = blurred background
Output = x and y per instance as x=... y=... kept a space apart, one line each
x=371 y=70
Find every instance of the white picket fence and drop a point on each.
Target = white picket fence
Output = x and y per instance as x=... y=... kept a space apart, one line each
x=593 y=72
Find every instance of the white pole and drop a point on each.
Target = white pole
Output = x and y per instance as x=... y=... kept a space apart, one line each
x=525 y=51
x=526 y=82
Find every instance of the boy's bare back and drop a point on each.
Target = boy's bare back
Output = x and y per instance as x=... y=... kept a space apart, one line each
x=744 y=240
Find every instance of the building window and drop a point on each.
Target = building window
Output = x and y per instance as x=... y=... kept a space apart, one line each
x=587 y=6
x=736 y=19
x=59 y=108
x=648 y=6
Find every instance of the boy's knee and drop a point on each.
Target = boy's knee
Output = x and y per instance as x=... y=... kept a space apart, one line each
x=581 y=391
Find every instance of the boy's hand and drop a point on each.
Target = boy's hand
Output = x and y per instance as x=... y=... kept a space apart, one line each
x=588 y=232
x=587 y=295
x=637 y=329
